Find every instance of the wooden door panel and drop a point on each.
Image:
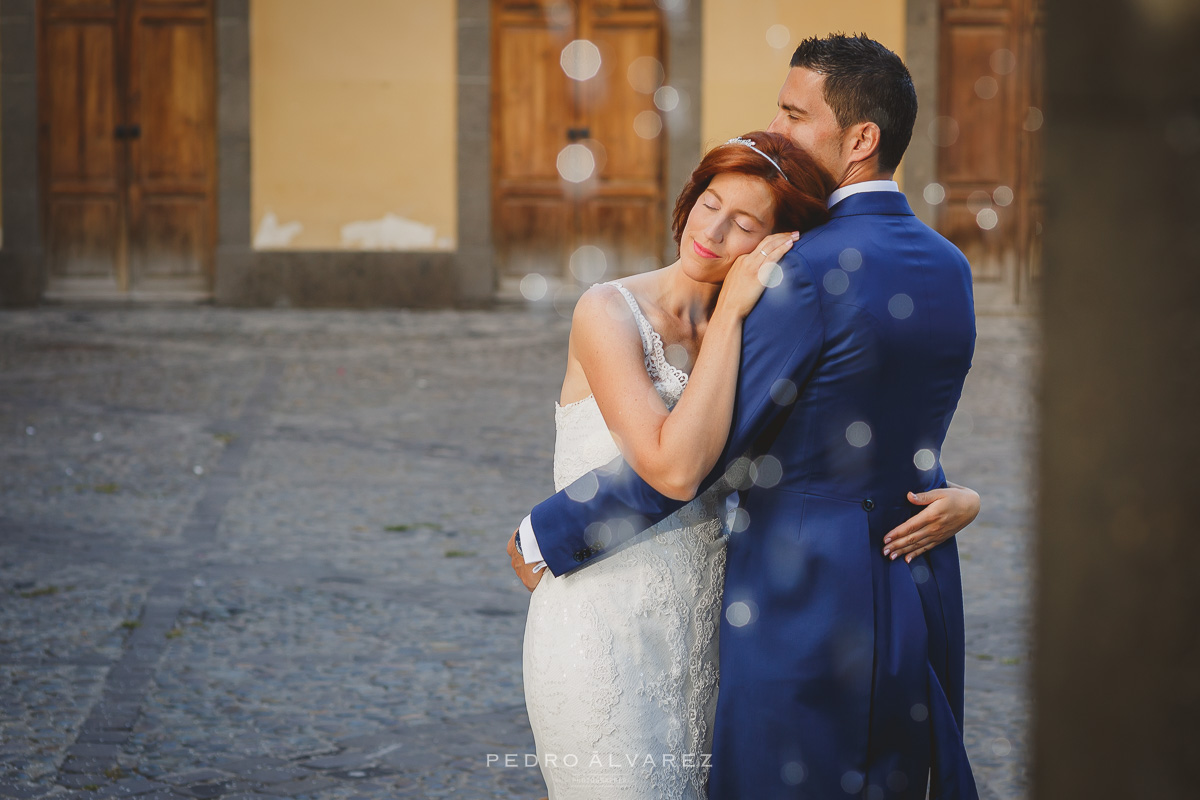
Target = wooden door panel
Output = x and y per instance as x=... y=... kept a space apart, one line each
x=540 y=8
x=76 y=9
x=627 y=229
x=200 y=6
x=172 y=162
x=176 y=231
x=532 y=112
x=622 y=212
x=978 y=152
x=101 y=151
x=60 y=109
x=990 y=73
x=80 y=107
x=603 y=8
x=613 y=105
x=172 y=105
x=81 y=162
x=975 y=7
x=540 y=218
x=533 y=102
x=981 y=158
x=981 y=151
x=983 y=248
x=533 y=235
x=84 y=237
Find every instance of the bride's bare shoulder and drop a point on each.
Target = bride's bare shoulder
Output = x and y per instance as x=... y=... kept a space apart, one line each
x=602 y=308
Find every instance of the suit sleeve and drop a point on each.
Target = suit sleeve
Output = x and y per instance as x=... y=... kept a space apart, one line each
x=781 y=340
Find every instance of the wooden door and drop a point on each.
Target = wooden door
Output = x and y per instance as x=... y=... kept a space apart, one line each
x=532 y=111
x=83 y=163
x=576 y=160
x=171 y=176
x=127 y=142
x=988 y=133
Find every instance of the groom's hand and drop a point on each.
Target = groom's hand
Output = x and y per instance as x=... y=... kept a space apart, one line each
x=946 y=512
x=524 y=571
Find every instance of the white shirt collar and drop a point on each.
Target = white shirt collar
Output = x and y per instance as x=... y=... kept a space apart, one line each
x=843 y=192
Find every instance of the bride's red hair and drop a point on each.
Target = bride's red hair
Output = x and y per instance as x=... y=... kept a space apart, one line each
x=799 y=199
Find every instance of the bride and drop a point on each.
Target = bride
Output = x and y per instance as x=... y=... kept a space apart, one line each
x=620 y=660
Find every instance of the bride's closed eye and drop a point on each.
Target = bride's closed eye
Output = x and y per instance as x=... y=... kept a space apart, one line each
x=712 y=207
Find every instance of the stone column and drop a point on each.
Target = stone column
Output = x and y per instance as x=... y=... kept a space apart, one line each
x=475 y=270
x=234 y=254
x=22 y=274
x=683 y=27
x=919 y=166
x=1117 y=659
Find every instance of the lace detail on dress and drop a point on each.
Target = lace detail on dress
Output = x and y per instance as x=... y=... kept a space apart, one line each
x=620 y=659
x=657 y=366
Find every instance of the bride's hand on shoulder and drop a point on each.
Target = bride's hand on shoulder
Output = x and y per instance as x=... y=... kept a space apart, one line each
x=750 y=274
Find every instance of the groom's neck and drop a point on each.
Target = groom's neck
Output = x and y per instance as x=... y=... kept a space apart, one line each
x=860 y=172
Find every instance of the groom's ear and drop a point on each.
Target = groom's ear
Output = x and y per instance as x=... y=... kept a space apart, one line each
x=863 y=141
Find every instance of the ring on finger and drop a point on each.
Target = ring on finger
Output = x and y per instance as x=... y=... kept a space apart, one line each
x=764 y=252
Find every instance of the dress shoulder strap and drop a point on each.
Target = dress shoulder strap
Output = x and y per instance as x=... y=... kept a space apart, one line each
x=647 y=331
x=652 y=344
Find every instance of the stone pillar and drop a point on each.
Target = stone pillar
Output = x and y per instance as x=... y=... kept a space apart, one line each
x=234 y=254
x=919 y=166
x=684 y=58
x=1117 y=655
x=22 y=273
x=475 y=271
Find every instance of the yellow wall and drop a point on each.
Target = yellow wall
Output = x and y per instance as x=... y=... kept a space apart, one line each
x=743 y=73
x=353 y=124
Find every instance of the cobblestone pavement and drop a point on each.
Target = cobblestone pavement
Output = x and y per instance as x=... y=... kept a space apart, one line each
x=261 y=554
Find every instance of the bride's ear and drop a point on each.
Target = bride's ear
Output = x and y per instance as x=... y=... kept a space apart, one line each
x=863 y=141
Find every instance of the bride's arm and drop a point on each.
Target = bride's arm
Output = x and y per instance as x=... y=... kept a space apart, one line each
x=672 y=451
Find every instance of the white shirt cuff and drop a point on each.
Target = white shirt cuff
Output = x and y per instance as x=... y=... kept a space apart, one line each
x=529 y=545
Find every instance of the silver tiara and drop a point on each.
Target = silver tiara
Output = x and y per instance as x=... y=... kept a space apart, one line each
x=750 y=143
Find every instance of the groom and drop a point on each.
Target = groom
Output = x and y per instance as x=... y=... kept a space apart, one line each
x=841 y=669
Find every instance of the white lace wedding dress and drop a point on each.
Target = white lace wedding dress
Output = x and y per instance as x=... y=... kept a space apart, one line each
x=620 y=656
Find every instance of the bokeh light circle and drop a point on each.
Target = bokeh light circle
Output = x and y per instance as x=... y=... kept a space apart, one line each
x=647 y=124
x=533 y=286
x=666 y=98
x=778 y=36
x=576 y=163
x=580 y=60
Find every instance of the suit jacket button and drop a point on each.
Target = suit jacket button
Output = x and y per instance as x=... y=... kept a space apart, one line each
x=580 y=556
x=868 y=504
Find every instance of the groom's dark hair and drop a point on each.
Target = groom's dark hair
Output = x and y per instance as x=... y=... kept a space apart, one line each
x=865 y=82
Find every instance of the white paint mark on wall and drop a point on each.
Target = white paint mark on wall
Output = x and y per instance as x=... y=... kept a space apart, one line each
x=393 y=233
x=272 y=235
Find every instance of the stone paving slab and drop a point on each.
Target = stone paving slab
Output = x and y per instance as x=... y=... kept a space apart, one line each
x=260 y=554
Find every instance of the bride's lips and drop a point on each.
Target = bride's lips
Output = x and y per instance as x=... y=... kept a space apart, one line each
x=702 y=251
